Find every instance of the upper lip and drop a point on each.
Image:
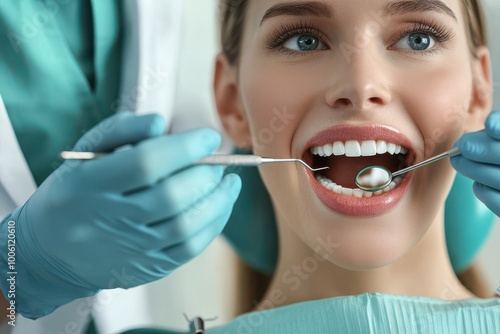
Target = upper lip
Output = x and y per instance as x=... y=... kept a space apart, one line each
x=363 y=132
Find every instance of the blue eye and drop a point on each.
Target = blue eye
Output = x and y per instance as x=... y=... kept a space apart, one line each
x=303 y=43
x=416 y=42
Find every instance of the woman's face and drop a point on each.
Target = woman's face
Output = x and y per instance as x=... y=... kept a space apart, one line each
x=346 y=84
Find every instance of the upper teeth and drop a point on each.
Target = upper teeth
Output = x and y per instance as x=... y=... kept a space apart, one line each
x=354 y=148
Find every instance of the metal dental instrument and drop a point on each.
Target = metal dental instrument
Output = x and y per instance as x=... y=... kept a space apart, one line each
x=197 y=324
x=71 y=155
x=374 y=178
x=249 y=160
x=216 y=159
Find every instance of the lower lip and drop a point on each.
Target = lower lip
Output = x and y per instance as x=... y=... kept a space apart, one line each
x=360 y=207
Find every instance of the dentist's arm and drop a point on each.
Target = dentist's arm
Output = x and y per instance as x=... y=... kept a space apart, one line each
x=122 y=220
x=480 y=161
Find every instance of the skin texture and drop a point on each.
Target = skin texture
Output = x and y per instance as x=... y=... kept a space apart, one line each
x=360 y=75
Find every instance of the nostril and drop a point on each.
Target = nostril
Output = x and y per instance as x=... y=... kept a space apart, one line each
x=376 y=100
x=343 y=103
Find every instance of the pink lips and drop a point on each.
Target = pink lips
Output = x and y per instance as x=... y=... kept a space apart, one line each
x=350 y=205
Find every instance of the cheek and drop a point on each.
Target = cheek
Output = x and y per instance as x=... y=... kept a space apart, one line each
x=264 y=100
x=275 y=99
x=438 y=103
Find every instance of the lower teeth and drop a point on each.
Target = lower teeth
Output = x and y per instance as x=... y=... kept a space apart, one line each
x=332 y=186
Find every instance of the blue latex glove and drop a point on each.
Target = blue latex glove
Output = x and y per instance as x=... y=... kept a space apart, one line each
x=122 y=220
x=480 y=161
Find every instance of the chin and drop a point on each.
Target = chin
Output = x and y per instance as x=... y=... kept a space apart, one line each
x=370 y=247
x=358 y=260
x=365 y=243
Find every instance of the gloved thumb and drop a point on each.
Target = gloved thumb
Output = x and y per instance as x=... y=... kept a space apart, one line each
x=123 y=128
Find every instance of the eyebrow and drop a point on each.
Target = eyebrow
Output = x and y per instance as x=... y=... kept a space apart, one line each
x=320 y=9
x=310 y=8
x=411 y=6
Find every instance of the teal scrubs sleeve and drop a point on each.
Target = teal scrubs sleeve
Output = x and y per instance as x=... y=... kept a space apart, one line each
x=59 y=65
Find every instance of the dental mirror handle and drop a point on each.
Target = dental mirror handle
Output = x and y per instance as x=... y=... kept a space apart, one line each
x=451 y=153
x=215 y=159
x=233 y=159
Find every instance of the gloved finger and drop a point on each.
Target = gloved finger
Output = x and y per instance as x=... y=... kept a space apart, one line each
x=123 y=128
x=489 y=196
x=492 y=125
x=213 y=210
x=480 y=172
x=151 y=160
x=480 y=147
x=175 y=194
x=185 y=251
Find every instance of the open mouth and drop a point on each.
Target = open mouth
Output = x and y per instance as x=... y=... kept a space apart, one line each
x=347 y=149
x=346 y=159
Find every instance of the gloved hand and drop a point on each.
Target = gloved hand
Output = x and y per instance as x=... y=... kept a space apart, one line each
x=480 y=161
x=122 y=220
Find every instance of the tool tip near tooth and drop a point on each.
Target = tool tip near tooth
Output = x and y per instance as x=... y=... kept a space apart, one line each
x=319 y=169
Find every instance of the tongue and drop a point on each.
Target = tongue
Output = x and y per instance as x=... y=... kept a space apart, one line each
x=343 y=169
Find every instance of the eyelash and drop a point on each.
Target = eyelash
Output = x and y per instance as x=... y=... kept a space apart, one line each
x=286 y=31
x=440 y=33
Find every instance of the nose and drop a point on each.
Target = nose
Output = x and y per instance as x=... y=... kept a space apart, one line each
x=359 y=84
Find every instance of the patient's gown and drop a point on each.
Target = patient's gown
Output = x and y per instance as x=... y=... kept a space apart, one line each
x=370 y=313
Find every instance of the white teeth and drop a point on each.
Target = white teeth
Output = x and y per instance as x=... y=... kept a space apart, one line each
x=381 y=147
x=321 y=151
x=354 y=148
x=358 y=193
x=347 y=191
x=328 y=150
x=391 y=148
x=368 y=148
x=338 y=148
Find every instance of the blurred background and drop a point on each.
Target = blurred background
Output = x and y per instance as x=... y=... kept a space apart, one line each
x=206 y=286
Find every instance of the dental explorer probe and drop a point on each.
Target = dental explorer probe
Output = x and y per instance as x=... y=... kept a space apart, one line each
x=215 y=159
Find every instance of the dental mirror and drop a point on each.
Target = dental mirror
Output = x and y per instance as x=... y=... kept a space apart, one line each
x=374 y=178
